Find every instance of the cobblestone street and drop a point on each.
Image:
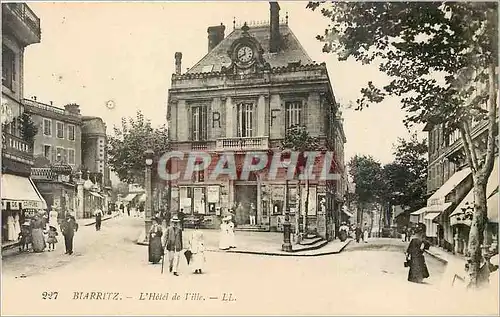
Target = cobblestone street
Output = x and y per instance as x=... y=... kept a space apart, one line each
x=363 y=280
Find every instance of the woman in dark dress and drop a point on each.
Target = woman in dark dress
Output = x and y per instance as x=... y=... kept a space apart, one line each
x=415 y=255
x=155 y=250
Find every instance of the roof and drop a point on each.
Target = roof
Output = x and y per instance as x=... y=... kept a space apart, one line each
x=290 y=50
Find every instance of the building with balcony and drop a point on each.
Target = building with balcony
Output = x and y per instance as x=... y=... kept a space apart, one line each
x=20 y=197
x=450 y=184
x=57 y=151
x=242 y=96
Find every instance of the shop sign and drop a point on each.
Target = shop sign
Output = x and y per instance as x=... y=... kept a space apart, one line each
x=213 y=194
x=278 y=193
x=4 y=205
x=30 y=204
x=15 y=205
x=174 y=193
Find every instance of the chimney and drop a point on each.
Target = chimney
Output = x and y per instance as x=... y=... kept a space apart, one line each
x=215 y=35
x=178 y=63
x=72 y=108
x=274 y=29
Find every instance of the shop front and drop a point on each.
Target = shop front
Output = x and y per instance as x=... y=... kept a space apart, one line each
x=20 y=201
x=460 y=219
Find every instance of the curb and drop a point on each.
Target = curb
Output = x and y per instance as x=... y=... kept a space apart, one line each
x=103 y=219
x=290 y=254
x=140 y=241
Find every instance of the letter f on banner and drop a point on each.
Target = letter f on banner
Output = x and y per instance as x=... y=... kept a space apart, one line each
x=249 y=164
x=194 y=164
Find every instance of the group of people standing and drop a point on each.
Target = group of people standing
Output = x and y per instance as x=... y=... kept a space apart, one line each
x=42 y=231
x=169 y=242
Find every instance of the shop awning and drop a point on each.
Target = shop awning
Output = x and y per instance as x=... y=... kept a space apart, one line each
x=143 y=197
x=438 y=198
x=96 y=194
x=431 y=215
x=129 y=197
x=419 y=212
x=491 y=194
x=439 y=208
x=21 y=192
x=493 y=208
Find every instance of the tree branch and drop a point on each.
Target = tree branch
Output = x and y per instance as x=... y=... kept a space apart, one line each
x=467 y=147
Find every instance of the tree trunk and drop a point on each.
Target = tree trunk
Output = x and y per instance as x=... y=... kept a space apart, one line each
x=476 y=234
x=297 y=211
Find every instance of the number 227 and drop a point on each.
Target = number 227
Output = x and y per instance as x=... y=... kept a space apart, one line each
x=49 y=295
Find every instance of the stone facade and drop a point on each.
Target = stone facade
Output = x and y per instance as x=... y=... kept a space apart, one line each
x=241 y=97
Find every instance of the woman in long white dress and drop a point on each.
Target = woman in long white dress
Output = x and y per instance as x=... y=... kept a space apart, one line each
x=232 y=238
x=11 y=228
x=53 y=215
x=197 y=248
x=17 y=224
x=224 y=234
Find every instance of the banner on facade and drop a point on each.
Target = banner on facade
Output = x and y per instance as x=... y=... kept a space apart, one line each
x=213 y=194
x=185 y=202
x=199 y=201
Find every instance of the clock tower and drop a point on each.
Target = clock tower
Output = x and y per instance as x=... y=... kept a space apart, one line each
x=246 y=55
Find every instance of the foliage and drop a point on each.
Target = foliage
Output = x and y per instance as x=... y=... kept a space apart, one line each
x=405 y=179
x=127 y=147
x=28 y=128
x=298 y=139
x=366 y=173
x=441 y=58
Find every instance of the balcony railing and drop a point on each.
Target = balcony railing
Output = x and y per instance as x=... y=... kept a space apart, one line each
x=23 y=12
x=43 y=173
x=46 y=107
x=243 y=143
x=16 y=147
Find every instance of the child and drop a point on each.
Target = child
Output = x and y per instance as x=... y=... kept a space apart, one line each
x=24 y=237
x=52 y=240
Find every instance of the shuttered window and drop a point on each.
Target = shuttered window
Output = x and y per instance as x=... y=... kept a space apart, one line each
x=245 y=115
x=293 y=114
x=199 y=123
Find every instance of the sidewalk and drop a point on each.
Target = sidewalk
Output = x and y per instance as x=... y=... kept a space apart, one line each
x=455 y=266
x=262 y=243
x=91 y=221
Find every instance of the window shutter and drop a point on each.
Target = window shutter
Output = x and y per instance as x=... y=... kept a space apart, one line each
x=54 y=154
x=190 y=124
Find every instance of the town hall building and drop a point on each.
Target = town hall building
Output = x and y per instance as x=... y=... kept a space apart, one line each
x=244 y=95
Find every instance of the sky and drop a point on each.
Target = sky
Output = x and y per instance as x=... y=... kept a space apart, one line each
x=91 y=53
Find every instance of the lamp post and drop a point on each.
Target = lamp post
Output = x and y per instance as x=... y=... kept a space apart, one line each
x=287 y=245
x=148 y=155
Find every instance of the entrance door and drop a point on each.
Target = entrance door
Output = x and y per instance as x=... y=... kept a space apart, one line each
x=246 y=195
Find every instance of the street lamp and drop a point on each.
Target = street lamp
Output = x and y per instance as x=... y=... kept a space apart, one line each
x=287 y=245
x=148 y=155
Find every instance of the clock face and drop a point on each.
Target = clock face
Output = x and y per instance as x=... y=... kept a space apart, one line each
x=244 y=54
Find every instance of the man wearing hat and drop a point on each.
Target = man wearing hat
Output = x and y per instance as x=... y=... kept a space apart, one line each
x=68 y=229
x=173 y=244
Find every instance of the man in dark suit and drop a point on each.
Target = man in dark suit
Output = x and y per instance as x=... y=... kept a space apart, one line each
x=173 y=244
x=68 y=229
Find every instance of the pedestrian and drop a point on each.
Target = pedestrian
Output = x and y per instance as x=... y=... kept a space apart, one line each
x=224 y=243
x=173 y=244
x=343 y=232
x=128 y=210
x=232 y=237
x=358 y=232
x=37 y=228
x=403 y=235
x=197 y=248
x=253 y=215
x=415 y=256
x=365 y=233
x=25 y=236
x=122 y=208
x=68 y=229
x=52 y=238
x=181 y=218
x=155 y=248
x=98 y=218
x=53 y=216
